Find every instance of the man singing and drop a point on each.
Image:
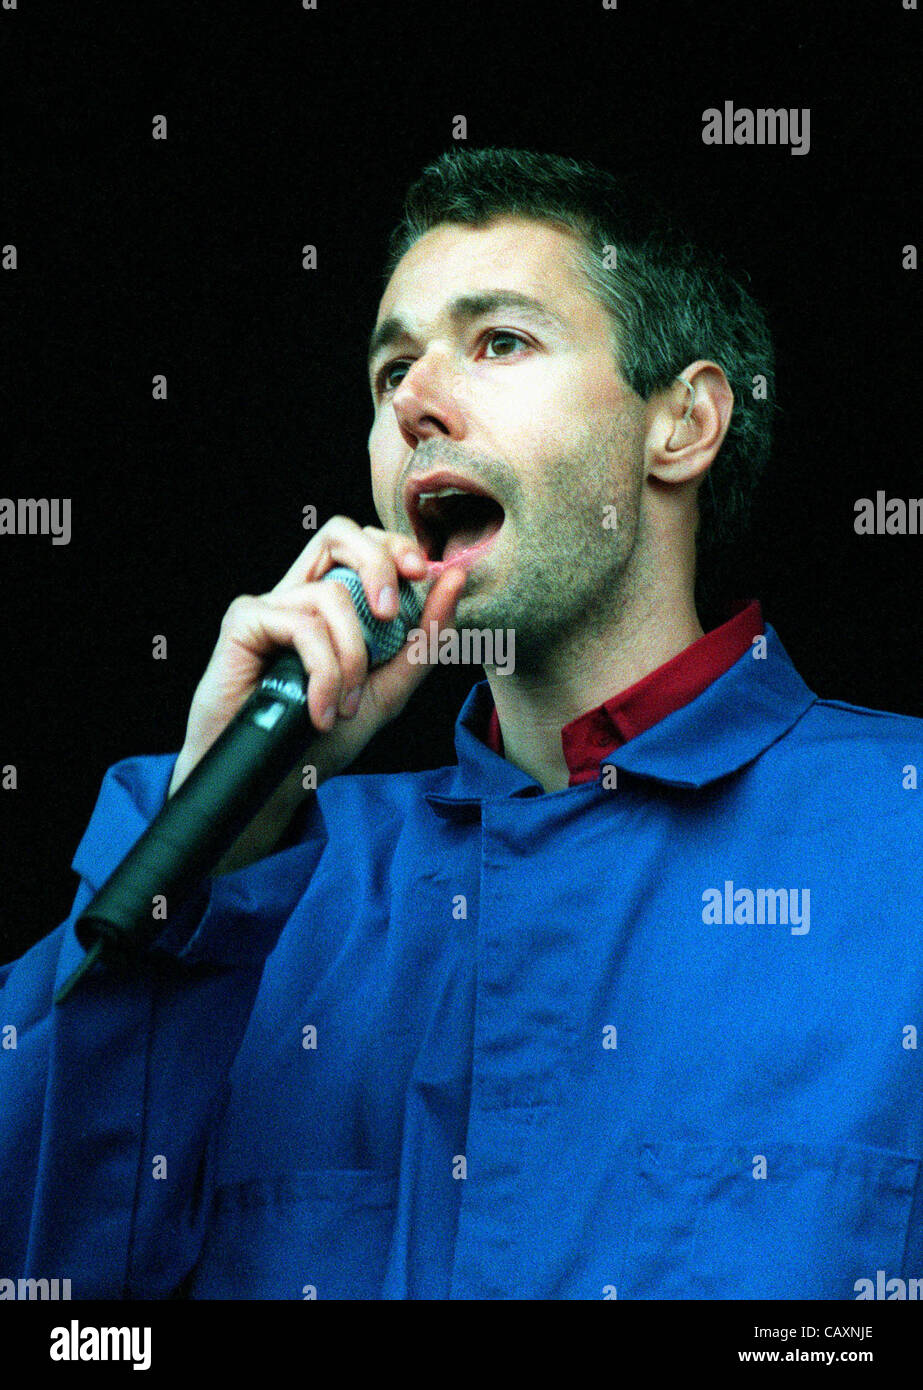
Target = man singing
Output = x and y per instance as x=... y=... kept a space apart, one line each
x=624 y=1003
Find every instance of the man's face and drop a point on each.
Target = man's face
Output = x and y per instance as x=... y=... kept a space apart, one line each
x=475 y=388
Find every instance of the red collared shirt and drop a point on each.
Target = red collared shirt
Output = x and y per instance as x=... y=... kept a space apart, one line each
x=592 y=736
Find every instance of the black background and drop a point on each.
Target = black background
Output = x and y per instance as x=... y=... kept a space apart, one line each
x=183 y=257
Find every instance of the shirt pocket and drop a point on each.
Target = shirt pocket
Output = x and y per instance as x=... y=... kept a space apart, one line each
x=312 y=1234
x=771 y=1221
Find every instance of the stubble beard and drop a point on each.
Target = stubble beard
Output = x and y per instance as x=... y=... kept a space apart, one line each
x=564 y=576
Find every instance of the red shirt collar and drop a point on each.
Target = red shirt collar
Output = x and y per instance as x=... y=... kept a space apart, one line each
x=592 y=736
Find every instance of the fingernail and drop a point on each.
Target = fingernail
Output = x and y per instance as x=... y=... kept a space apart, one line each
x=351 y=703
x=414 y=561
x=387 y=598
x=328 y=717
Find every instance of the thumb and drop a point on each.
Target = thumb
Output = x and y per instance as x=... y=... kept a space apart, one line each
x=392 y=684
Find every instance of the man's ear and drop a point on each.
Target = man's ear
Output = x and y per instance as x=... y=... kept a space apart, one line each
x=686 y=424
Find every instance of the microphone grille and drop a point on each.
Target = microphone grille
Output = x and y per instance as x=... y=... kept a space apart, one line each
x=384 y=639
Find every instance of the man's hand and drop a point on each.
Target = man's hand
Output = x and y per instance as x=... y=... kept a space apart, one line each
x=347 y=702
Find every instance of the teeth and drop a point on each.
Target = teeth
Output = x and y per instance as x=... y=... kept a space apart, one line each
x=425 y=498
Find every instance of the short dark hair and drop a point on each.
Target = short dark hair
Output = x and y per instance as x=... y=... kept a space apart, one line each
x=671 y=302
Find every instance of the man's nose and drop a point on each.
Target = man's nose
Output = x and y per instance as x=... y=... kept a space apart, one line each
x=426 y=403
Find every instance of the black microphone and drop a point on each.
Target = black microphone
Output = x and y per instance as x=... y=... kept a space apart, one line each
x=222 y=793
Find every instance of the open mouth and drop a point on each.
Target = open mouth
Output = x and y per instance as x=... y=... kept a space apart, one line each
x=451 y=520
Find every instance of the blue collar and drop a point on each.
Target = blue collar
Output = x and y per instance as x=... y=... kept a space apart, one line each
x=733 y=721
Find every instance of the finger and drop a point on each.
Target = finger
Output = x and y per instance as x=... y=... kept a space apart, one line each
x=254 y=629
x=315 y=559
x=374 y=558
x=371 y=553
x=366 y=550
x=335 y=605
x=393 y=683
x=409 y=556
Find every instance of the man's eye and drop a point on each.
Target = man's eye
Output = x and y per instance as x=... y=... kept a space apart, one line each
x=386 y=381
x=501 y=335
x=503 y=341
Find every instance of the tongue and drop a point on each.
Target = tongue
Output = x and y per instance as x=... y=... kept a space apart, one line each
x=468 y=536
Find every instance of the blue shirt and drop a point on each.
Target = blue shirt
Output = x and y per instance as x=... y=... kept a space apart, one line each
x=648 y=1037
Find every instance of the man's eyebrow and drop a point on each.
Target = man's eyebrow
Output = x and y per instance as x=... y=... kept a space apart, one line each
x=465 y=308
